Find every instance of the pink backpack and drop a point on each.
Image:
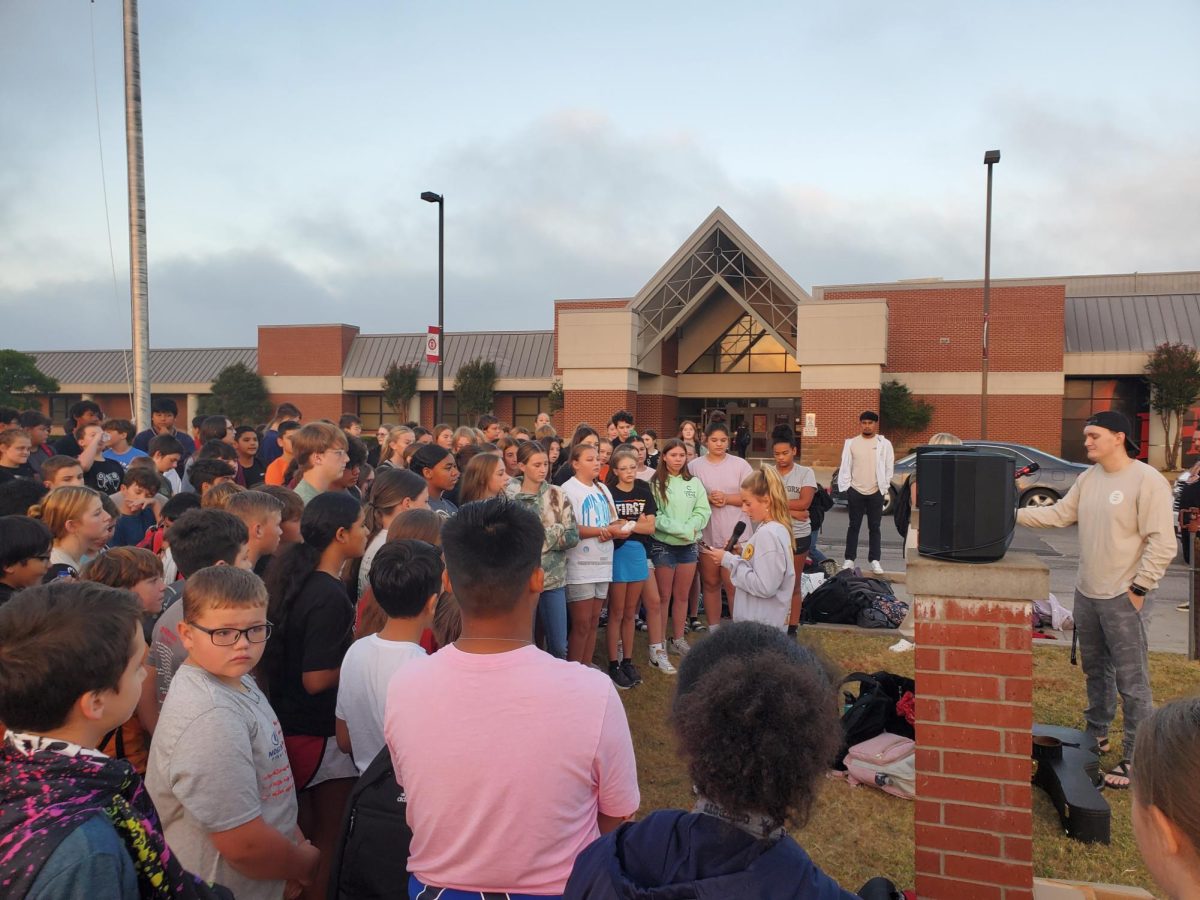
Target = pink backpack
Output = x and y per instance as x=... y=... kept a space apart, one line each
x=887 y=761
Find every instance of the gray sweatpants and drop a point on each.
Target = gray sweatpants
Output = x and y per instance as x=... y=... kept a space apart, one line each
x=1112 y=641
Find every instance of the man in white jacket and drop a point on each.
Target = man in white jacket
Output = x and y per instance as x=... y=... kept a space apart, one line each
x=865 y=477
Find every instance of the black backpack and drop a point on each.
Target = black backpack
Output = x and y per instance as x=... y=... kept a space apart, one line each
x=371 y=860
x=873 y=711
x=821 y=504
x=831 y=603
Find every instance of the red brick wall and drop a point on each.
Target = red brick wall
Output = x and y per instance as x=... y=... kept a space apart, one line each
x=837 y=413
x=1026 y=333
x=658 y=412
x=319 y=406
x=582 y=304
x=595 y=408
x=1035 y=420
x=304 y=349
x=974 y=819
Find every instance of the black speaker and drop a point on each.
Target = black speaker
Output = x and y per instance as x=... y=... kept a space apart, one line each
x=968 y=502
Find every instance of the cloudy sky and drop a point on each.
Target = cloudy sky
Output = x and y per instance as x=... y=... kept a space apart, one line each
x=577 y=145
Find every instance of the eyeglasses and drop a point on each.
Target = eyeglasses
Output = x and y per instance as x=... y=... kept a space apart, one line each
x=227 y=637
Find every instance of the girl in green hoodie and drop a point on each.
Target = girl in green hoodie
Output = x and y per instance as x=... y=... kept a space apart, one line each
x=683 y=511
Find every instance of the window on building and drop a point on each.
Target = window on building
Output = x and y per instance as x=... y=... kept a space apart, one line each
x=451 y=415
x=371 y=410
x=59 y=404
x=746 y=347
x=526 y=408
x=1084 y=396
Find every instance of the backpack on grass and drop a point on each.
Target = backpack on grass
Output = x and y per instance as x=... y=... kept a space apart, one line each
x=887 y=761
x=874 y=711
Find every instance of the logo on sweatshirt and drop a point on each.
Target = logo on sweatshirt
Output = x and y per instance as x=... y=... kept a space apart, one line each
x=1115 y=498
x=748 y=552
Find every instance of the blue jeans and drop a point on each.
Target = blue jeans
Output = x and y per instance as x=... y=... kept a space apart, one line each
x=552 y=611
x=814 y=552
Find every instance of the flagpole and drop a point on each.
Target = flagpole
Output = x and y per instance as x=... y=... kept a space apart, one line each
x=139 y=298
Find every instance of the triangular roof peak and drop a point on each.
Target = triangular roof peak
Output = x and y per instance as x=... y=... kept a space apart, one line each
x=718 y=254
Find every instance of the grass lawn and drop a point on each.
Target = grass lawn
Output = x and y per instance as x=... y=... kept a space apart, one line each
x=856 y=833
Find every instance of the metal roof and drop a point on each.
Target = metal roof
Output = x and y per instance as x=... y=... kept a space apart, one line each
x=517 y=354
x=1131 y=324
x=189 y=365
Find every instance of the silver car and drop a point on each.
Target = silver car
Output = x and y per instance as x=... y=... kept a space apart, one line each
x=1045 y=487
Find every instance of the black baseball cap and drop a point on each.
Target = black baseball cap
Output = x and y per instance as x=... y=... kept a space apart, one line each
x=1115 y=421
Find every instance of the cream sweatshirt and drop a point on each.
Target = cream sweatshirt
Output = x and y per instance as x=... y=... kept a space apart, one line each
x=1126 y=530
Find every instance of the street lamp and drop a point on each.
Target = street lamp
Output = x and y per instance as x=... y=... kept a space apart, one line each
x=431 y=197
x=990 y=158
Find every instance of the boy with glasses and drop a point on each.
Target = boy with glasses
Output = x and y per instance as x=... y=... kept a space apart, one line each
x=218 y=771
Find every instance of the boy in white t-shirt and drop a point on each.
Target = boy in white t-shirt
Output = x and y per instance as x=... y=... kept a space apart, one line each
x=406 y=577
x=512 y=760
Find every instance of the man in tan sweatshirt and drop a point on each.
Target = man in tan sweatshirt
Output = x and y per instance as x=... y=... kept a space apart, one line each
x=1126 y=542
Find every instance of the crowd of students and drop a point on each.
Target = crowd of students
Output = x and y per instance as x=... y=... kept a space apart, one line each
x=250 y=618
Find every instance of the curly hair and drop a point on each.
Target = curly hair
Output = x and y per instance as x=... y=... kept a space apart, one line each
x=756 y=718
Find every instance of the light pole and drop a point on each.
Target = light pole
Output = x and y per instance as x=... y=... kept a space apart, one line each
x=431 y=197
x=990 y=158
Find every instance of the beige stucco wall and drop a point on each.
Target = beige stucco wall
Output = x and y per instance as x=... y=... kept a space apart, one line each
x=600 y=379
x=596 y=338
x=838 y=333
x=745 y=385
x=1044 y=383
x=1124 y=363
x=848 y=377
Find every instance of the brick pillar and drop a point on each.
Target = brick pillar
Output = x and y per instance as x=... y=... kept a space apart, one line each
x=974 y=673
x=837 y=411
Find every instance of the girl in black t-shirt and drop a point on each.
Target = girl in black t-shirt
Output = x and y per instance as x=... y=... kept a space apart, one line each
x=313 y=618
x=635 y=504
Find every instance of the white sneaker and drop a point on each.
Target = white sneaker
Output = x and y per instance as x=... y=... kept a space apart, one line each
x=679 y=646
x=876 y=567
x=660 y=661
x=848 y=564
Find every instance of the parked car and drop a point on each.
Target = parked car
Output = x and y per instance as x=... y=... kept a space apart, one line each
x=1045 y=487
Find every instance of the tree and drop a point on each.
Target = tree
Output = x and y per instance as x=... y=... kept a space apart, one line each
x=21 y=380
x=1173 y=371
x=239 y=393
x=474 y=387
x=556 y=400
x=399 y=387
x=900 y=413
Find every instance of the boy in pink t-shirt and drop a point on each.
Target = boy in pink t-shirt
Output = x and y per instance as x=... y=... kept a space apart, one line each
x=512 y=761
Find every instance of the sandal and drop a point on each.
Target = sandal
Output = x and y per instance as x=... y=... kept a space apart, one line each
x=1119 y=772
x=1103 y=745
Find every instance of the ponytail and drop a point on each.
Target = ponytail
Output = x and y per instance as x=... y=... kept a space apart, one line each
x=766 y=483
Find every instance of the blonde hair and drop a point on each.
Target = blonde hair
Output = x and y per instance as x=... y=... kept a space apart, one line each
x=767 y=483
x=63 y=505
x=222 y=587
x=945 y=439
x=219 y=495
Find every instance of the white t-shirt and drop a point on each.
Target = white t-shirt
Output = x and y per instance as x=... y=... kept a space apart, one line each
x=590 y=561
x=364 y=570
x=797 y=479
x=367 y=669
x=506 y=759
x=217 y=762
x=863 y=477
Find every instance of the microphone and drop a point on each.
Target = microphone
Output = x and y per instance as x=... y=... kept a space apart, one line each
x=733 y=538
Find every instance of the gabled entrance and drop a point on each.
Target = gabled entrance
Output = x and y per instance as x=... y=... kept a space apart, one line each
x=719 y=256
